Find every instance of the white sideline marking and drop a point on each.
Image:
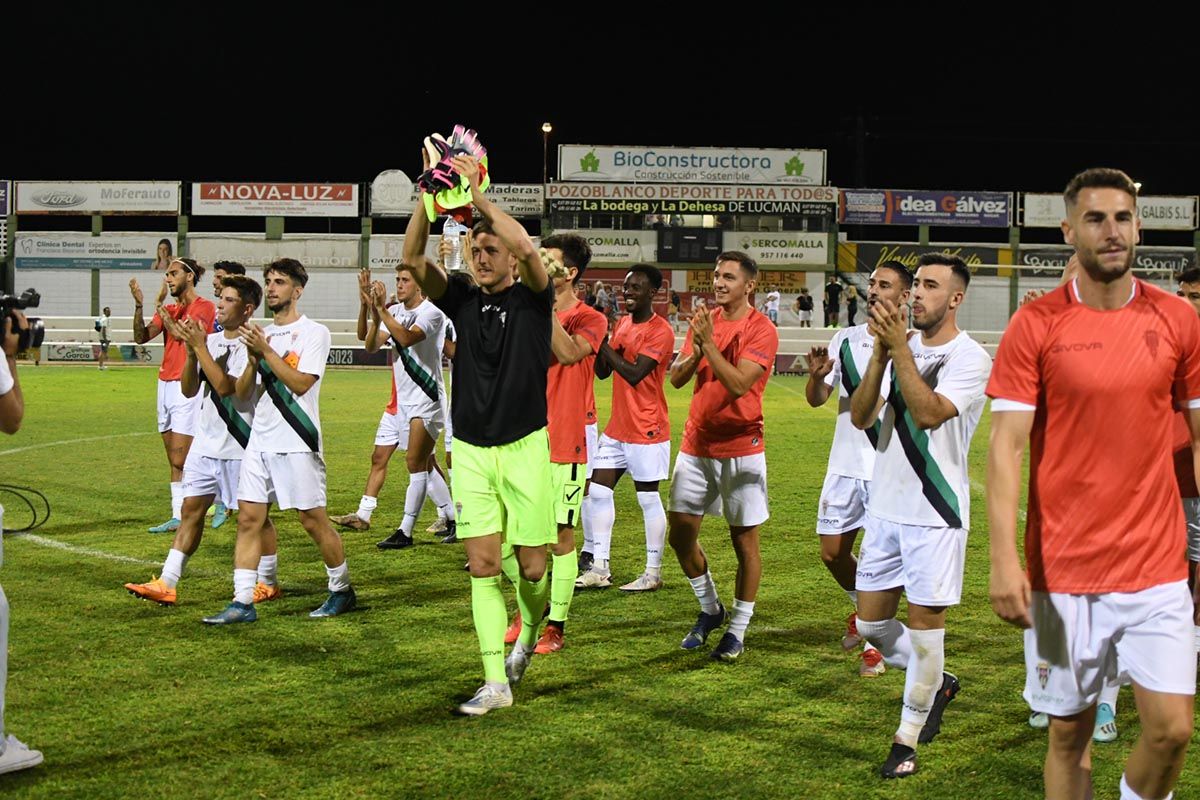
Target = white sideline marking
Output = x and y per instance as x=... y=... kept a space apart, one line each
x=73 y=441
x=83 y=551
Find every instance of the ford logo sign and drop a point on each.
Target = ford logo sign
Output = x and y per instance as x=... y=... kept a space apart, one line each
x=56 y=199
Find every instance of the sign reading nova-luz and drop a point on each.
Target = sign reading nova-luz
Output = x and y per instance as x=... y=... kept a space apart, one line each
x=665 y=198
x=895 y=207
x=1158 y=212
x=586 y=162
x=275 y=199
x=95 y=197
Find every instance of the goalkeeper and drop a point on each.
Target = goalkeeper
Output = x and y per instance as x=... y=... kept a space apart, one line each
x=502 y=478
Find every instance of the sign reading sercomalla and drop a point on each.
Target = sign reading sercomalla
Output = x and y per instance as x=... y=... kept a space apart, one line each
x=93 y=197
x=782 y=247
x=393 y=195
x=1158 y=212
x=897 y=207
x=84 y=251
x=586 y=162
x=255 y=251
x=275 y=199
x=667 y=198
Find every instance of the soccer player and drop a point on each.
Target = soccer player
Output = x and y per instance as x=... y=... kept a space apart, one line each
x=176 y=413
x=414 y=415
x=1185 y=474
x=930 y=387
x=722 y=463
x=283 y=462
x=102 y=329
x=221 y=270
x=502 y=475
x=1104 y=593
x=215 y=458
x=838 y=370
x=576 y=334
x=637 y=438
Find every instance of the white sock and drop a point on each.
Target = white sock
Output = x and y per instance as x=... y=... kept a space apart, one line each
x=172 y=569
x=414 y=498
x=706 y=592
x=891 y=638
x=1108 y=694
x=339 y=577
x=243 y=586
x=439 y=493
x=366 y=507
x=589 y=542
x=177 y=499
x=604 y=514
x=655 y=520
x=853 y=595
x=743 y=610
x=921 y=682
x=1130 y=794
x=266 y=569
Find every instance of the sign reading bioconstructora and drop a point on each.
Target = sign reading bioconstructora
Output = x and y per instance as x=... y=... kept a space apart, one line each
x=91 y=197
x=585 y=162
x=655 y=198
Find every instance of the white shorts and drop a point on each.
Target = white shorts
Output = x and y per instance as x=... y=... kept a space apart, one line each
x=1191 y=510
x=1079 y=642
x=289 y=480
x=393 y=428
x=645 y=463
x=806 y=316
x=204 y=475
x=926 y=562
x=177 y=413
x=843 y=506
x=736 y=487
x=448 y=431
x=592 y=432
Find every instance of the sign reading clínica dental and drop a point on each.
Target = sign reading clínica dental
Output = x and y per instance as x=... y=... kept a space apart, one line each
x=585 y=162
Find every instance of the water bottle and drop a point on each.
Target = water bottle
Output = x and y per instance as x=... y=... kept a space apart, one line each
x=453 y=232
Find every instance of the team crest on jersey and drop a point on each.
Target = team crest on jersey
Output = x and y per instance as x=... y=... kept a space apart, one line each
x=1043 y=674
x=1151 y=337
x=754 y=442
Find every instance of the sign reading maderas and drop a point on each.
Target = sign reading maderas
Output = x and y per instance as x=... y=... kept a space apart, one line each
x=660 y=198
x=585 y=162
x=275 y=199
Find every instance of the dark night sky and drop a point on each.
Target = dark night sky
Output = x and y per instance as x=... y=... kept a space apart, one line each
x=230 y=95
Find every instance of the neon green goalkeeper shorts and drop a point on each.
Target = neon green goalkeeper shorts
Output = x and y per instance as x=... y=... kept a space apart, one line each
x=506 y=489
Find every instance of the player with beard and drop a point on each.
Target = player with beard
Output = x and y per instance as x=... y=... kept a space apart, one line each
x=838 y=370
x=283 y=463
x=1104 y=595
x=930 y=388
x=176 y=413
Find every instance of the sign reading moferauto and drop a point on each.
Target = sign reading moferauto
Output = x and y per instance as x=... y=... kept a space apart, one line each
x=82 y=197
x=1158 y=212
x=585 y=162
x=896 y=207
x=275 y=199
x=669 y=198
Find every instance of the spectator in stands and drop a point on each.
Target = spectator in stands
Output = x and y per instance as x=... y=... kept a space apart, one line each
x=804 y=308
x=102 y=330
x=833 y=301
x=673 y=317
x=603 y=302
x=165 y=253
x=851 y=303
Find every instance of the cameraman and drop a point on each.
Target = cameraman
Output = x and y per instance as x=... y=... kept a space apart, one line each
x=13 y=754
